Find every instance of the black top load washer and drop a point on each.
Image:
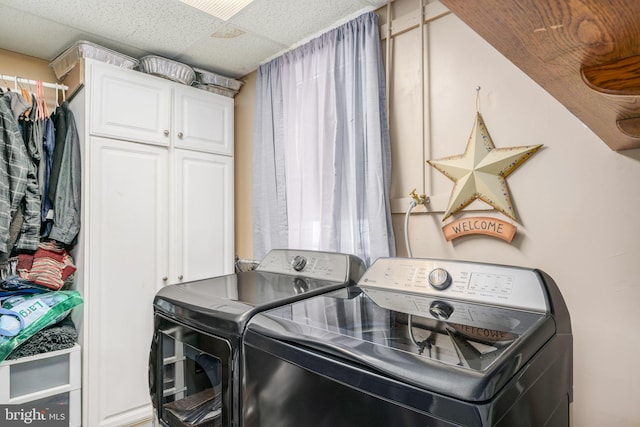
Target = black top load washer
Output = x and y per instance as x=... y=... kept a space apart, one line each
x=417 y=342
x=194 y=370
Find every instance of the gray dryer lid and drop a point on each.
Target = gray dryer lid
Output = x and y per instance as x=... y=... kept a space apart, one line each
x=222 y=305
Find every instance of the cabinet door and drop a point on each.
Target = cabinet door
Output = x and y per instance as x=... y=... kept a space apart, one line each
x=203 y=121
x=127 y=258
x=203 y=216
x=129 y=105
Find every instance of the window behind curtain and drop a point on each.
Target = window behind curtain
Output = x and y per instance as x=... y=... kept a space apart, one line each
x=321 y=154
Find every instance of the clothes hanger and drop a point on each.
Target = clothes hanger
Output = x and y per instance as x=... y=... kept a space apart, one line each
x=26 y=94
x=43 y=110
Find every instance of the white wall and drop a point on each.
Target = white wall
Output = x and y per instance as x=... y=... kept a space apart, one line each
x=577 y=201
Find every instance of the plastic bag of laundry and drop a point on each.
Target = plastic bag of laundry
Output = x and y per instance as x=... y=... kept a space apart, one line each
x=24 y=315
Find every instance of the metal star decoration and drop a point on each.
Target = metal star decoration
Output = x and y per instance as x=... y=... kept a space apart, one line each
x=480 y=172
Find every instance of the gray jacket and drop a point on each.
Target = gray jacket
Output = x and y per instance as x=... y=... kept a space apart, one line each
x=66 y=203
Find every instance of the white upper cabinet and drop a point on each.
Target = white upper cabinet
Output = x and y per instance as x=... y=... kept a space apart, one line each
x=203 y=121
x=129 y=105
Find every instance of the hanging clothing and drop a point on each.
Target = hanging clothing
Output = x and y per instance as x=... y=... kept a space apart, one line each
x=29 y=159
x=48 y=144
x=59 y=118
x=32 y=132
x=30 y=214
x=18 y=184
x=17 y=103
x=66 y=200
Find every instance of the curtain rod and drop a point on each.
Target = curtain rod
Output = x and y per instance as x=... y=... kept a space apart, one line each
x=17 y=80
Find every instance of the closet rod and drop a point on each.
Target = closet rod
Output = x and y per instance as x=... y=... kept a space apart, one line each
x=16 y=80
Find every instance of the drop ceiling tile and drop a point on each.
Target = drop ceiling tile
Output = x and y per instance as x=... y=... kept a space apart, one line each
x=149 y=25
x=15 y=38
x=232 y=57
x=265 y=18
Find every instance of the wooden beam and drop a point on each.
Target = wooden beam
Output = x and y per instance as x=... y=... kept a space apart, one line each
x=553 y=40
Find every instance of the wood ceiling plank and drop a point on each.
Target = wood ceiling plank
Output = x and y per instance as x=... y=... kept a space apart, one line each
x=553 y=40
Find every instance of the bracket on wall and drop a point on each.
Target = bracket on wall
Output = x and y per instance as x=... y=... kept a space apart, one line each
x=619 y=78
x=630 y=126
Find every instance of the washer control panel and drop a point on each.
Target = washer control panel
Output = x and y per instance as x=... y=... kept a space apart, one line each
x=512 y=287
x=311 y=264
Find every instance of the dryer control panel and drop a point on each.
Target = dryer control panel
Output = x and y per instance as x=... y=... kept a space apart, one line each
x=330 y=266
x=505 y=286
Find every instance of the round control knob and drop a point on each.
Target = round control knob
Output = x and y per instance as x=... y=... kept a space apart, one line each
x=299 y=263
x=439 y=279
x=440 y=310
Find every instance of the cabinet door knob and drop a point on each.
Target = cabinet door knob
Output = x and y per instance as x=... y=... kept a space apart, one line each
x=166 y=132
x=180 y=134
x=180 y=277
x=165 y=278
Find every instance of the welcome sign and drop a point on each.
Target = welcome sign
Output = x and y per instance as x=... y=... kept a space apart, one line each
x=480 y=225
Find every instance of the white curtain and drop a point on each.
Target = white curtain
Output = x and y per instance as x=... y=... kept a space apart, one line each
x=321 y=154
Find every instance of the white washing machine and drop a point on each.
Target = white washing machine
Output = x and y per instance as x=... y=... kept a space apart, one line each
x=418 y=342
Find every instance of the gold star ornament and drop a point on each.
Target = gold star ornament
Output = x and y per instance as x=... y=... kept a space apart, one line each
x=480 y=172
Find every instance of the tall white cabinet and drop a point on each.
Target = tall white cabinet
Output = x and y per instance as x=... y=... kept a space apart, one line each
x=157 y=210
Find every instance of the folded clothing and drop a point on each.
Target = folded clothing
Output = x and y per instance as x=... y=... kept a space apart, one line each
x=59 y=336
x=49 y=266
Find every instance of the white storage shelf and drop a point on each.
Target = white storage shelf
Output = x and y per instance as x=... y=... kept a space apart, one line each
x=33 y=378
